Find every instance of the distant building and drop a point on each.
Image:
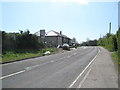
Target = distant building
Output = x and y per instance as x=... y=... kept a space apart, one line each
x=53 y=38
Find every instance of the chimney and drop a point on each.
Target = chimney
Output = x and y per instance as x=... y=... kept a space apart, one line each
x=42 y=33
x=110 y=28
x=60 y=32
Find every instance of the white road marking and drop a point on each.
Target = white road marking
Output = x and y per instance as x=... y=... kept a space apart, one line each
x=52 y=61
x=68 y=56
x=84 y=79
x=31 y=67
x=83 y=70
x=26 y=69
x=12 y=74
x=35 y=66
x=74 y=53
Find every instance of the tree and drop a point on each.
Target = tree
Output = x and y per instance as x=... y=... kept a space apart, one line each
x=21 y=32
x=90 y=43
x=108 y=35
x=27 y=32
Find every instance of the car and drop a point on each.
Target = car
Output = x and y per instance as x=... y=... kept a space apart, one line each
x=59 y=46
x=66 y=47
x=71 y=46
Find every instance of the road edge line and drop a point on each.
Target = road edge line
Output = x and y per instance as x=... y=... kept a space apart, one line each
x=79 y=86
x=84 y=70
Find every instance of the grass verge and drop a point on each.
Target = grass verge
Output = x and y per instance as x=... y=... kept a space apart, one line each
x=23 y=54
x=115 y=58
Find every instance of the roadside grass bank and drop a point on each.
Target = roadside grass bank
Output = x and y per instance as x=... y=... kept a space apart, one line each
x=14 y=55
x=112 y=43
x=115 y=59
x=114 y=55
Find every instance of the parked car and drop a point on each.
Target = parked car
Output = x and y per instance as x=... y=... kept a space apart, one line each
x=71 y=46
x=59 y=46
x=66 y=47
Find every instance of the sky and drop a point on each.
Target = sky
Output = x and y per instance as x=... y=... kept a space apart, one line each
x=82 y=20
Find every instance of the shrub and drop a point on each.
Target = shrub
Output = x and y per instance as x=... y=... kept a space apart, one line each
x=118 y=40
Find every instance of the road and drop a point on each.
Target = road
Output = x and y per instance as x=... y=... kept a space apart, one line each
x=62 y=70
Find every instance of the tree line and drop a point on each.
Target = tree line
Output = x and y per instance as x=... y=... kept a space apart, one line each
x=90 y=43
x=23 y=40
x=111 y=42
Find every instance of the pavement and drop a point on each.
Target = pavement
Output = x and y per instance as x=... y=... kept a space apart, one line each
x=72 y=69
x=102 y=72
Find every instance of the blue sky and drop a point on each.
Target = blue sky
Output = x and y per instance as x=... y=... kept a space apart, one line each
x=77 y=20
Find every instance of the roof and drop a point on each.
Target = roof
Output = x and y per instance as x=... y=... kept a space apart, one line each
x=54 y=33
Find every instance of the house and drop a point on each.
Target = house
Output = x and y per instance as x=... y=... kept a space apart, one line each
x=53 y=38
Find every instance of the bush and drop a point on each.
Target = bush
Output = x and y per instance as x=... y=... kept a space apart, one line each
x=109 y=42
x=8 y=42
x=118 y=40
x=17 y=41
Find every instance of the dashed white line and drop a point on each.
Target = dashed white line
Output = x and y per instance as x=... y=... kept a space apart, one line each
x=22 y=71
x=52 y=61
x=71 y=85
x=68 y=56
x=31 y=67
x=12 y=74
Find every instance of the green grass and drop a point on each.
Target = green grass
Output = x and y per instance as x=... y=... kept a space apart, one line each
x=115 y=58
x=0 y=57
x=22 y=54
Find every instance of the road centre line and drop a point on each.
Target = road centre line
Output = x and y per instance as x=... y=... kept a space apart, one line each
x=24 y=60
x=32 y=67
x=12 y=74
x=28 y=68
x=30 y=58
x=22 y=71
x=83 y=70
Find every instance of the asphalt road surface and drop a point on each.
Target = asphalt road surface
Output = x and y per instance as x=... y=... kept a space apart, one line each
x=62 y=70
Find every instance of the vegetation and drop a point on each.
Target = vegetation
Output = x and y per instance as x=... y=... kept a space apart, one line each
x=24 y=40
x=112 y=43
x=118 y=40
x=90 y=43
x=22 y=45
x=13 y=55
x=109 y=43
x=115 y=56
